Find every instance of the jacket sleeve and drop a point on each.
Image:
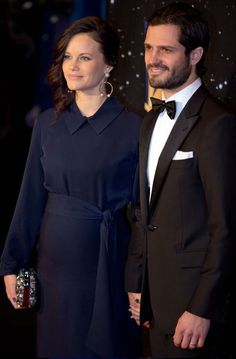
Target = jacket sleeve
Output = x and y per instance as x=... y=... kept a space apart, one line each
x=28 y=211
x=217 y=168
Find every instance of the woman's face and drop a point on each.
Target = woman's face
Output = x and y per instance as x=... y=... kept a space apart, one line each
x=84 y=64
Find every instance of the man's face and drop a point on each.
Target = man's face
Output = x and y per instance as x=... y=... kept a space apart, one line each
x=167 y=65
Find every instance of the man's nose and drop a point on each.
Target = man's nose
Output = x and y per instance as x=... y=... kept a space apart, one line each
x=154 y=57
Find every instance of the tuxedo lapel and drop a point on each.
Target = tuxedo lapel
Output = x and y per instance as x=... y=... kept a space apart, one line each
x=145 y=137
x=176 y=138
x=181 y=129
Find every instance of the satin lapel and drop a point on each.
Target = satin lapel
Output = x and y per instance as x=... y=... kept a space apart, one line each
x=145 y=137
x=181 y=129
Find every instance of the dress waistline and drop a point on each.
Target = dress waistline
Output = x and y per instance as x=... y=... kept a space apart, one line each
x=101 y=338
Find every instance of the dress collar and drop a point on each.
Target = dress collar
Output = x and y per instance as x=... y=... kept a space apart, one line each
x=109 y=110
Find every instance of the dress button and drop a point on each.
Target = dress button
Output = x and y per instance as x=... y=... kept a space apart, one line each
x=151 y=227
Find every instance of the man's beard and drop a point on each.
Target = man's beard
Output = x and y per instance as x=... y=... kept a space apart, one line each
x=174 y=80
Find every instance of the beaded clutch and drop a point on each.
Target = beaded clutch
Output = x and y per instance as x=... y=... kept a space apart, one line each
x=26 y=288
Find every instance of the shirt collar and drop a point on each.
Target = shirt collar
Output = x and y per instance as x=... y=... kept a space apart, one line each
x=181 y=98
x=109 y=110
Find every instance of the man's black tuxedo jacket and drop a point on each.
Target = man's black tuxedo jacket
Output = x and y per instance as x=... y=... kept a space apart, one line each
x=182 y=241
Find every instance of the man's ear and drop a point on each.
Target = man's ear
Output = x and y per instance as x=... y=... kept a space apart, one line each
x=196 y=55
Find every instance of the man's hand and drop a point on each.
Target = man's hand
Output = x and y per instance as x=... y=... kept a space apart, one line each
x=191 y=331
x=134 y=306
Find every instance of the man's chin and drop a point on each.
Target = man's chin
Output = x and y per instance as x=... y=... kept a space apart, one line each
x=155 y=84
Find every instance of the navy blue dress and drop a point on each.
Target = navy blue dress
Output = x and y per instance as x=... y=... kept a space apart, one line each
x=77 y=183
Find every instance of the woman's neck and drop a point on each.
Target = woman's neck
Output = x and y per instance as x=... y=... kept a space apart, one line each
x=89 y=104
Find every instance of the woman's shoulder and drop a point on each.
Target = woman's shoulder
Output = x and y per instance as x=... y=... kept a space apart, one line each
x=132 y=120
x=44 y=120
x=129 y=114
x=47 y=115
x=133 y=116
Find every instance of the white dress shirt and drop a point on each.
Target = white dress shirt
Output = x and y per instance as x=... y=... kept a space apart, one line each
x=164 y=126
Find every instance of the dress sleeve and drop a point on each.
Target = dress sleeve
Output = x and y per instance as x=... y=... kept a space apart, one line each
x=28 y=211
x=134 y=263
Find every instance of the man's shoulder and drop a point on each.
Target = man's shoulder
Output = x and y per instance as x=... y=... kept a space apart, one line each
x=217 y=106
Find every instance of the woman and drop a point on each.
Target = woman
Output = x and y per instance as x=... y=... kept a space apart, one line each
x=77 y=183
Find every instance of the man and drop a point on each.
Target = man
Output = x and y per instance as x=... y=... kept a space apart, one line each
x=181 y=246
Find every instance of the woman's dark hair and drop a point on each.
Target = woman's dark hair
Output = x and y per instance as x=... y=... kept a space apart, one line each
x=193 y=26
x=102 y=33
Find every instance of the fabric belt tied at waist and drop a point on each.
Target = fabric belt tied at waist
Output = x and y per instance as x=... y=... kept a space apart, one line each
x=100 y=337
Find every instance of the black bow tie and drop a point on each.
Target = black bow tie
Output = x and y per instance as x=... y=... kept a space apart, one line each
x=159 y=106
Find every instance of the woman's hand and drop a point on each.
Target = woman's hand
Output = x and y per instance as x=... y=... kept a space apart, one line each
x=10 y=285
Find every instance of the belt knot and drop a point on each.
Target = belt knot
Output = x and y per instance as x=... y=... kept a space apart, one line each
x=107 y=217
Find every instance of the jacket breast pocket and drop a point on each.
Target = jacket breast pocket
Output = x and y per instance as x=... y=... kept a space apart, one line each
x=182 y=163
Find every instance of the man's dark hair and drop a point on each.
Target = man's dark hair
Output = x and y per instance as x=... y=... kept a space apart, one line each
x=194 y=31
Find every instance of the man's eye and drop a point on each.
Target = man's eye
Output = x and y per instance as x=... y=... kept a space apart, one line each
x=147 y=47
x=165 y=50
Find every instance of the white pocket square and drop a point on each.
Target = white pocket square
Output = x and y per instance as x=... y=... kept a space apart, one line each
x=182 y=155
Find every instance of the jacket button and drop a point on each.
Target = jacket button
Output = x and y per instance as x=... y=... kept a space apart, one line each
x=151 y=227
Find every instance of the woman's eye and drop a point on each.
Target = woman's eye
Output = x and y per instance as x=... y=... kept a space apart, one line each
x=66 y=56
x=84 y=58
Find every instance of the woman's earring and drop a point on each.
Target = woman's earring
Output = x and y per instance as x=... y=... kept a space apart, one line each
x=69 y=91
x=107 y=83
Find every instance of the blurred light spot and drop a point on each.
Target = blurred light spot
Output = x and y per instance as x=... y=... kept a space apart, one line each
x=27 y=5
x=54 y=19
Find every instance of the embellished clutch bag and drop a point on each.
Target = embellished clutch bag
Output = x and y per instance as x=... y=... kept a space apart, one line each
x=26 y=288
